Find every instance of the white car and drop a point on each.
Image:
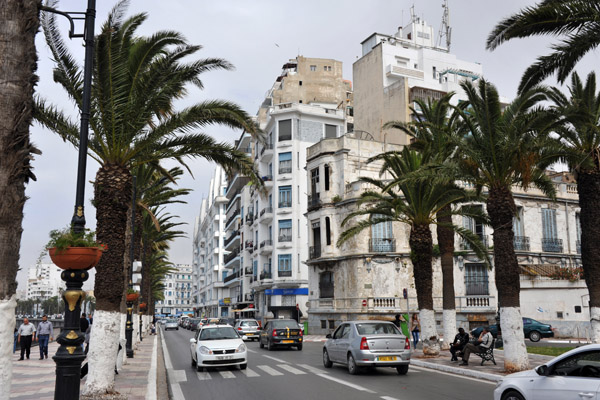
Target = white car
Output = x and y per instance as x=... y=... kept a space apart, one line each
x=218 y=346
x=572 y=375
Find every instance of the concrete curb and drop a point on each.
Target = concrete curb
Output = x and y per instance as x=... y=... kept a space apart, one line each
x=457 y=371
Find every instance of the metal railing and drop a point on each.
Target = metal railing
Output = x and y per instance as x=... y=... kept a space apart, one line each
x=249 y=219
x=386 y=245
x=231 y=277
x=233 y=235
x=285 y=204
x=235 y=214
x=464 y=245
x=266 y=210
x=283 y=274
x=266 y=243
x=314 y=252
x=266 y=146
x=265 y=275
x=284 y=238
x=521 y=243
x=231 y=256
x=552 y=245
x=314 y=200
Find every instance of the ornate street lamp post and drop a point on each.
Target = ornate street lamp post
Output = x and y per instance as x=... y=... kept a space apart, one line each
x=69 y=355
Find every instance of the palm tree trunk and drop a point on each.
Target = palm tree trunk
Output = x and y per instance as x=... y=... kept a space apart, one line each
x=19 y=22
x=421 y=246
x=445 y=236
x=501 y=209
x=588 y=187
x=112 y=199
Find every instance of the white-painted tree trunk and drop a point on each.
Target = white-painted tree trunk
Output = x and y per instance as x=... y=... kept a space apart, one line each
x=515 y=352
x=429 y=335
x=102 y=356
x=595 y=324
x=122 y=359
x=136 y=331
x=449 y=321
x=7 y=328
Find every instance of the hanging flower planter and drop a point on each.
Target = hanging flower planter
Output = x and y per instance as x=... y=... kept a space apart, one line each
x=76 y=257
x=143 y=306
x=132 y=296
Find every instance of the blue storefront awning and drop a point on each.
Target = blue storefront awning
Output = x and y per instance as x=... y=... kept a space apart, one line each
x=286 y=292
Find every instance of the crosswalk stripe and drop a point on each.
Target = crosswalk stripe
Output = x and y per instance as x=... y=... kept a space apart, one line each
x=203 y=376
x=312 y=369
x=291 y=369
x=269 y=370
x=227 y=374
x=249 y=373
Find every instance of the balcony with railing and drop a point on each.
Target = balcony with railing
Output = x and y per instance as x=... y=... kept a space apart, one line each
x=285 y=204
x=384 y=245
x=314 y=201
x=231 y=257
x=284 y=238
x=284 y=273
x=265 y=275
x=285 y=167
x=233 y=216
x=249 y=297
x=266 y=215
x=231 y=277
x=464 y=245
x=521 y=243
x=267 y=151
x=233 y=238
x=249 y=218
x=552 y=245
x=266 y=247
x=314 y=252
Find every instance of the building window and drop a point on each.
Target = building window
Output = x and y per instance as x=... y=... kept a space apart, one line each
x=285 y=230
x=299 y=83
x=474 y=226
x=578 y=233
x=284 y=265
x=327 y=68
x=313 y=68
x=285 y=163
x=550 y=241
x=327 y=170
x=476 y=279
x=382 y=236
x=578 y=309
x=521 y=242
x=328 y=231
x=323 y=324
x=285 y=196
x=314 y=181
x=326 y=285
x=330 y=131
x=285 y=130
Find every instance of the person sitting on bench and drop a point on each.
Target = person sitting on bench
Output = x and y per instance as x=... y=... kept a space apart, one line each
x=460 y=341
x=483 y=344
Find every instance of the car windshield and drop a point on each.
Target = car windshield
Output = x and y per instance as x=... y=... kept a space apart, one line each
x=377 y=329
x=291 y=324
x=249 y=323
x=225 y=332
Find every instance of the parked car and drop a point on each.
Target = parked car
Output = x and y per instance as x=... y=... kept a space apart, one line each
x=359 y=344
x=248 y=327
x=171 y=324
x=182 y=320
x=218 y=346
x=281 y=332
x=532 y=329
x=193 y=324
x=226 y=321
x=572 y=375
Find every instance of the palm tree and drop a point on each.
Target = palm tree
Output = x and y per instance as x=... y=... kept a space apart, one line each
x=19 y=23
x=133 y=122
x=414 y=202
x=581 y=135
x=506 y=146
x=435 y=129
x=577 y=21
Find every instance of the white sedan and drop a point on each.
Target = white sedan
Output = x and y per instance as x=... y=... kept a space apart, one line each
x=572 y=375
x=218 y=346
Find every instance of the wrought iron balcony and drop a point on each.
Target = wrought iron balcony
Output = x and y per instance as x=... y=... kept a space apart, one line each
x=233 y=235
x=266 y=146
x=386 y=245
x=552 y=245
x=521 y=243
x=233 y=216
x=231 y=256
x=285 y=238
x=314 y=252
x=265 y=275
x=231 y=277
x=249 y=219
x=266 y=243
x=285 y=204
x=464 y=245
x=266 y=210
x=284 y=274
x=314 y=200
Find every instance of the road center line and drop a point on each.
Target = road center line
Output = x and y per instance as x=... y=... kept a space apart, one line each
x=388 y=398
x=343 y=382
x=276 y=359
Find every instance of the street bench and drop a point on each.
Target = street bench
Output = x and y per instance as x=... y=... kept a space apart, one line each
x=488 y=355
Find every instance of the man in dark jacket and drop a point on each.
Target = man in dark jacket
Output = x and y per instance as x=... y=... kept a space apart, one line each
x=460 y=341
x=83 y=325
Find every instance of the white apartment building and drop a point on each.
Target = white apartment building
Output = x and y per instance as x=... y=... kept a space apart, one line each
x=210 y=297
x=44 y=281
x=177 y=292
x=396 y=69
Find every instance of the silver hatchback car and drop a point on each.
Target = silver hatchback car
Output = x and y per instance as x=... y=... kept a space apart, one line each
x=171 y=324
x=367 y=344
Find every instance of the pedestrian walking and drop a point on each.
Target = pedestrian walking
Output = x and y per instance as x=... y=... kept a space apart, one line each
x=83 y=327
x=26 y=334
x=90 y=319
x=152 y=329
x=15 y=340
x=45 y=333
x=415 y=328
x=88 y=334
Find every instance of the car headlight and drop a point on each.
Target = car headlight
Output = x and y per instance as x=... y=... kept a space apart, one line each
x=241 y=348
x=205 y=350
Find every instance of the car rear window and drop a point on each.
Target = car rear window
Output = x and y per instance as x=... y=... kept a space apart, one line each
x=377 y=329
x=173 y=321
x=285 y=324
x=249 y=323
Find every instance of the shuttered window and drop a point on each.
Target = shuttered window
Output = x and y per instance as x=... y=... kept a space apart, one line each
x=549 y=223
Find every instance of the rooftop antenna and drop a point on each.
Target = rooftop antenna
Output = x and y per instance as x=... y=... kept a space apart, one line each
x=445 y=29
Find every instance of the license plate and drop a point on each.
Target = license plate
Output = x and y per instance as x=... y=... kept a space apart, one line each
x=249 y=334
x=224 y=357
x=287 y=341
x=387 y=358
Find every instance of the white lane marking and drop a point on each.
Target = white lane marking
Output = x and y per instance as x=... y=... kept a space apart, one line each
x=249 y=373
x=269 y=370
x=388 y=398
x=227 y=374
x=453 y=375
x=291 y=369
x=343 y=382
x=151 y=387
x=276 y=359
x=250 y=351
x=175 y=388
x=314 y=370
x=177 y=375
x=203 y=376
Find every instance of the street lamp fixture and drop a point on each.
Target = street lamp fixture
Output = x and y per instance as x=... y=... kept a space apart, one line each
x=69 y=355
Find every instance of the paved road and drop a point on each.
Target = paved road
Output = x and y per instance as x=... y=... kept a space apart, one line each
x=300 y=375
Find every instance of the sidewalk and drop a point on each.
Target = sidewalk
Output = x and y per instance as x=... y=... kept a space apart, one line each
x=137 y=380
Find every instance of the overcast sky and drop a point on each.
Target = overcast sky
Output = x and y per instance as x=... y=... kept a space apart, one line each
x=257 y=37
